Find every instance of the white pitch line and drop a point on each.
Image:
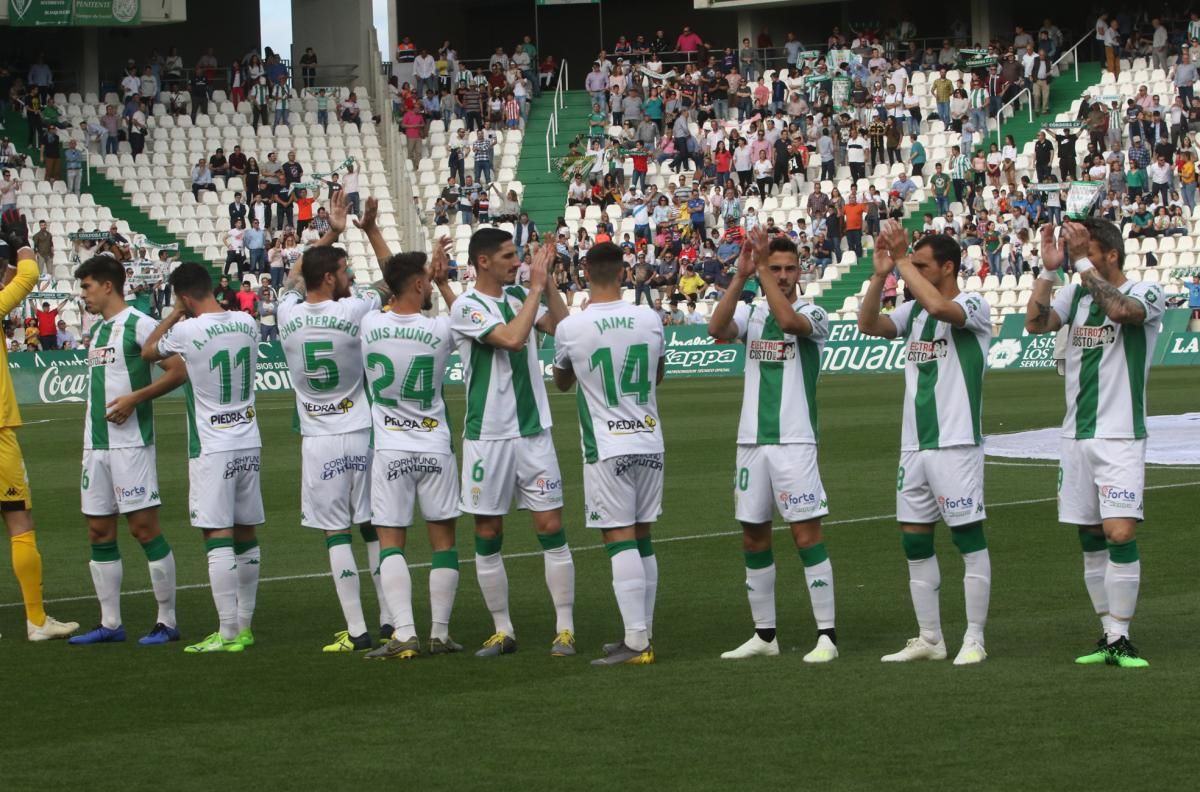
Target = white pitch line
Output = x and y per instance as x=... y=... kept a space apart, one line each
x=1150 y=465
x=580 y=549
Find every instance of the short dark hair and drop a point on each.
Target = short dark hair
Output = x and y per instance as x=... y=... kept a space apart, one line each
x=401 y=268
x=943 y=248
x=782 y=244
x=102 y=269
x=192 y=280
x=605 y=262
x=1107 y=236
x=317 y=262
x=485 y=242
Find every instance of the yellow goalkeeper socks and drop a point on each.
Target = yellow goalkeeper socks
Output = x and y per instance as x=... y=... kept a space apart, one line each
x=27 y=564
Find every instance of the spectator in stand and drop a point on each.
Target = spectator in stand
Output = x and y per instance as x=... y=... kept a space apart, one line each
x=280 y=95
x=260 y=94
x=413 y=124
x=199 y=92
x=350 y=112
x=235 y=248
x=482 y=148
x=304 y=209
x=201 y=179
x=255 y=242
x=308 y=68
x=43 y=247
x=246 y=299
x=350 y=185
x=47 y=324
x=130 y=85
x=282 y=201
x=112 y=125
x=292 y=169
x=65 y=339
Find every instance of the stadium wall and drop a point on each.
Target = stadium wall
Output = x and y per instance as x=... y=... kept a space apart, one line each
x=56 y=377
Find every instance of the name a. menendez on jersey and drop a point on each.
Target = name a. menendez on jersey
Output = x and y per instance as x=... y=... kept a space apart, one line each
x=1087 y=337
x=769 y=351
x=323 y=321
x=927 y=351
x=221 y=328
x=417 y=334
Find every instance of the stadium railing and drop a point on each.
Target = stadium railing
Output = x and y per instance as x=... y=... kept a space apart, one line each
x=1000 y=113
x=396 y=164
x=1072 y=52
x=560 y=88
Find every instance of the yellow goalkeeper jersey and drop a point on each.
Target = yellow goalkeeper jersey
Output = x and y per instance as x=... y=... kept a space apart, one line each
x=12 y=296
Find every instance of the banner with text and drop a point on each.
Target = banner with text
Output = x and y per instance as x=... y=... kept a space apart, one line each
x=74 y=13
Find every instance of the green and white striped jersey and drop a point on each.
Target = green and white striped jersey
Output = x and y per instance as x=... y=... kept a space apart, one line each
x=779 y=398
x=220 y=351
x=1108 y=364
x=506 y=391
x=323 y=346
x=943 y=374
x=614 y=348
x=405 y=358
x=116 y=368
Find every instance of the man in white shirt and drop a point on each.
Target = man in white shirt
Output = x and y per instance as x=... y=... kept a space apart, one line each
x=425 y=73
x=1160 y=179
x=1158 y=44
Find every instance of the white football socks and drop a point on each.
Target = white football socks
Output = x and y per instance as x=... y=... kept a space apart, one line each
x=443 y=585
x=162 y=580
x=819 y=579
x=1121 y=582
x=629 y=584
x=760 y=590
x=396 y=583
x=373 y=564
x=1095 y=566
x=560 y=579
x=106 y=577
x=345 y=581
x=924 y=579
x=650 y=567
x=249 y=560
x=493 y=583
x=977 y=590
x=223 y=579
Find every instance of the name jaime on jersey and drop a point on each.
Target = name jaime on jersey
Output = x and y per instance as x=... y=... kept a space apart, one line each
x=230 y=420
x=412 y=465
x=394 y=424
x=767 y=351
x=644 y=425
x=343 y=464
x=1093 y=337
x=927 y=351
x=329 y=408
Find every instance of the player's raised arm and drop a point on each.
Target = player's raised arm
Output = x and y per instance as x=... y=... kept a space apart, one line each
x=721 y=325
x=769 y=275
x=556 y=308
x=440 y=269
x=928 y=296
x=337 y=220
x=1108 y=248
x=513 y=336
x=1039 y=317
x=24 y=277
x=890 y=245
x=564 y=370
x=150 y=351
x=368 y=225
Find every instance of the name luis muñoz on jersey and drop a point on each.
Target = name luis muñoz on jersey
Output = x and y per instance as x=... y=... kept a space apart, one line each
x=115 y=369
x=779 y=398
x=323 y=346
x=1108 y=364
x=506 y=391
x=220 y=350
x=943 y=374
x=405 y=358
x=614 y=348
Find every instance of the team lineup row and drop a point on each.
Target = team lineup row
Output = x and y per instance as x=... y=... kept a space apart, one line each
x=376 y=438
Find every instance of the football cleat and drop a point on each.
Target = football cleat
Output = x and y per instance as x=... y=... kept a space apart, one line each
x=755 y=647
x=345 y=642
x=825 y=651
x=386 y=632
x=623 y=655
x=245 y=638
x=51 y=628
x=159 y=634
x=564 y=644
x=918 y=649
x=395 y=649
x=1124 y=654
x=1097 y=656
x=972 y=652
x=98 y=634
x=214 y=643
x=498 y=644
x=438 y=646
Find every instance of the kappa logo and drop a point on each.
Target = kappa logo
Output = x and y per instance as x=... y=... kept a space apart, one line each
x=1004 y=353
x=12 y=492
x=819 y=584
x=595 y=516
x=154 y=495
x=347 y=573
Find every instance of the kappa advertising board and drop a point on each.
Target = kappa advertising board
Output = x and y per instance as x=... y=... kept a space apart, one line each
x=54 y=377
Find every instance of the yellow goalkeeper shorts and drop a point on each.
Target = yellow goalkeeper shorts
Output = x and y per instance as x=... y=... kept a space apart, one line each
x=14 y=482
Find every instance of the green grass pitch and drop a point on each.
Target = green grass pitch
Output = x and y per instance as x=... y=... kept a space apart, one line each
x=282 y=715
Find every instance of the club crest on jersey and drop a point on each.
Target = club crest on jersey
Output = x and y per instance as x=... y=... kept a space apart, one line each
x=229 y=420
x=475 y=493
x=1093 y=337
x=771 y=351
x=644 y=425
x=927 y=351
x=331 y=408
x=101 y=356
x=393 y=424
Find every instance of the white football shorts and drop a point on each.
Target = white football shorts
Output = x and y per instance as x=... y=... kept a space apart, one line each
x=1100 y=479
x=494 y=470
x=940 y=484
x=400 y=478
x=622 y=491
x=335 y=480
x=224 y=489
x=778 y=477
x=118 y=481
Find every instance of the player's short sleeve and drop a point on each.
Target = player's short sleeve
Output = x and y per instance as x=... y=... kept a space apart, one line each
x=1150 y=295
x=473 y=319
x=659 y=348
x=562 y=345
x=364 y=302
x=979 y=313
x=741 y=318
x=287 y=301
x=142 y=330
x=902 y=318
x=1062 y=301
x=175 y=342
x=819 y=319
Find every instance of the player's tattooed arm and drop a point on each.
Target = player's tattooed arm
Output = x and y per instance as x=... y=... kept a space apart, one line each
x=1121 y=308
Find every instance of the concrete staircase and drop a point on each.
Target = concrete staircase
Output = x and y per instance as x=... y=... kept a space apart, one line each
x=545 y=193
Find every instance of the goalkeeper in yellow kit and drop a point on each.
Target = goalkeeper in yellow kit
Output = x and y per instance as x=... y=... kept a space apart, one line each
x=15 y=501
